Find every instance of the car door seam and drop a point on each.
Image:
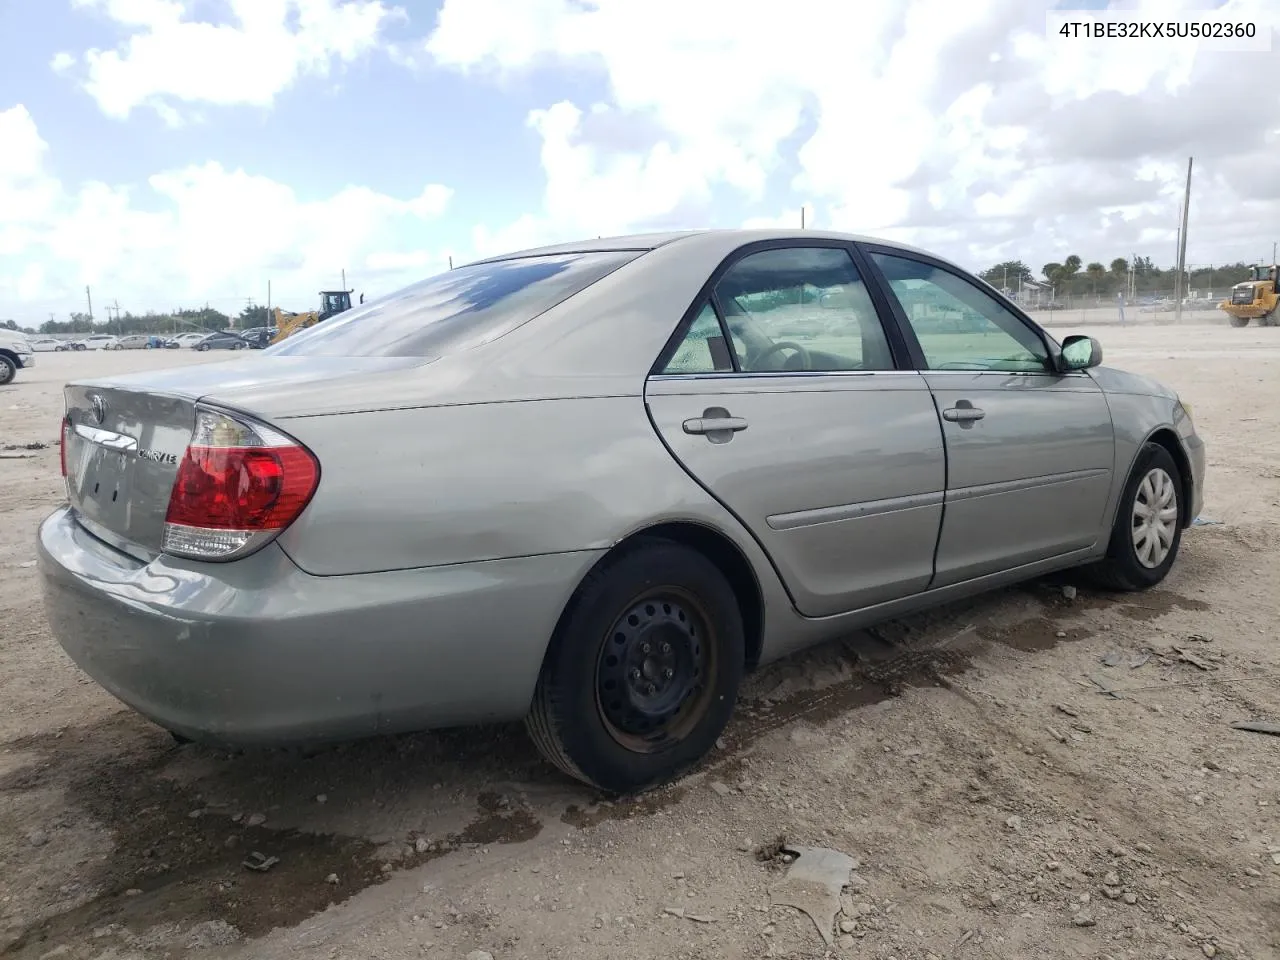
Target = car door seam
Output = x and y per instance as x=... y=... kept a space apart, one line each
x=946 y=482
x=648 y=412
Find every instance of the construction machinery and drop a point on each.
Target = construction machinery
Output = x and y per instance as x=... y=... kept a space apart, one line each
x=1255 y=298
x=332 y=302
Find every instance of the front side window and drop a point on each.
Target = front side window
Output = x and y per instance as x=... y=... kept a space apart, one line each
x=456 y=309
x=801 y=309
x=959 y=326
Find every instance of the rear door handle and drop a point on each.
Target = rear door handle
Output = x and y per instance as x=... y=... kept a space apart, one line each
x=714 y=425
x=963 y=414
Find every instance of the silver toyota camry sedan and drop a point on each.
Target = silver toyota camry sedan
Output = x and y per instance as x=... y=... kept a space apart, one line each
x=589 y=486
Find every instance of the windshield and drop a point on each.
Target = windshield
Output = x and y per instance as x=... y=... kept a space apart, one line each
x=455 y=310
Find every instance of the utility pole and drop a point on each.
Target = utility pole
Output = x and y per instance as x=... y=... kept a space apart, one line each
x=119 y=324
x=89 y=297
x=268 y=303
x=344 y=279
x=802 y=218
x=450 y=261
x=1182 y=243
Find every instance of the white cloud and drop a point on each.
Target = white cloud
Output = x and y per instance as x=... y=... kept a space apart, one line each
x=974 y=132
x=189 y=234
x=169 y=62
x=977 y=134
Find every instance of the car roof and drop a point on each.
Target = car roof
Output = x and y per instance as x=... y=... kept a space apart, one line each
x=644 y=242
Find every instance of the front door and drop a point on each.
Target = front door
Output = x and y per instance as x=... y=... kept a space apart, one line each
x=1030 y=452
x=783 y=400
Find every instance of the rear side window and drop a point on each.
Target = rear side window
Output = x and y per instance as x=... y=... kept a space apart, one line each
x=455 y=310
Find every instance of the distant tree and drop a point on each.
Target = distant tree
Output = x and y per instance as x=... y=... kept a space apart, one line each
x=1095 y=272
x=9 y=325
x=1051 y=271
x=1119 y=267
x=1012 y=272
x=252 y=316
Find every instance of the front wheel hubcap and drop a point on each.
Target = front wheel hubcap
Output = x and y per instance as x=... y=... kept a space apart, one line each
x=1155 y=518
x=652 y=680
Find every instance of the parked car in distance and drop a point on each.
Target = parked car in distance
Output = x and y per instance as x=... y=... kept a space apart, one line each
x=590 y=486
x=99 y=341
x=16 y=353
x=47 y=345
x=133 y=341
x=258 y=338
x=188 y=339
x=221 y=341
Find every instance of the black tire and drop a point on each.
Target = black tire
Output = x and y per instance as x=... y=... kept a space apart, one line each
x=602 y=722
x=8 y=369
x=1122 y=569
x=1238 y=321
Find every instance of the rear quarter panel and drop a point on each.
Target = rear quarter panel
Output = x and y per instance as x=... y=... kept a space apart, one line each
x=442 y=485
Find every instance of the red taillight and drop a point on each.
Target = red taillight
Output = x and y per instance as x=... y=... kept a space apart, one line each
x=238 y=485
x=62 y=443
x=241 y=488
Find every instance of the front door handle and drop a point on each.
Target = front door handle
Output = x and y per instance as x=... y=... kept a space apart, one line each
x=963 y=414
x=715 y=425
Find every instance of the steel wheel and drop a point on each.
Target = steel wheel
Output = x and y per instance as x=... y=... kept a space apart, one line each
x=1155 y=517
x=651 y=684
x=8 y=370
x=643 y=671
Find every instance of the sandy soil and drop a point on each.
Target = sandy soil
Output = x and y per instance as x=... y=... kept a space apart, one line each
x=998 y=803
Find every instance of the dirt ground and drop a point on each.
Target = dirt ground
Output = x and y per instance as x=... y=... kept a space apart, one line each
x=998 y=802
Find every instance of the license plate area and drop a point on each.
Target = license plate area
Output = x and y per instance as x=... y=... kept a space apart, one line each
x=100 y=468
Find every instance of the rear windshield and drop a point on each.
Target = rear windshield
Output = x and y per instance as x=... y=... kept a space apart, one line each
x=455 y=310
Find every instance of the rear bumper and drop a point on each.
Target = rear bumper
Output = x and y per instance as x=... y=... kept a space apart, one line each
x=258 y=652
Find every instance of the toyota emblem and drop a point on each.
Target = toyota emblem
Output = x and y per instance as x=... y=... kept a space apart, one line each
x=97 y=409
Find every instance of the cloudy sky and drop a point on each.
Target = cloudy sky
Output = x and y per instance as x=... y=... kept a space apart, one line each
x=172 y=152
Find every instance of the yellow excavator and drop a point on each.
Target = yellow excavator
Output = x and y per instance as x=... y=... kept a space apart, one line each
x=1255 y=298
x=332 y=302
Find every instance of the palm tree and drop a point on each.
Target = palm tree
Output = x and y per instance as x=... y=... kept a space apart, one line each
x=1095 y=272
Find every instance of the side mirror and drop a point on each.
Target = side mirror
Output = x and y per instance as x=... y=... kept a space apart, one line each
x=1080 y=353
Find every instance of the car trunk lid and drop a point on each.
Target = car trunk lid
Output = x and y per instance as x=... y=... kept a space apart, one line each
x=121 y=449
x=126 y=436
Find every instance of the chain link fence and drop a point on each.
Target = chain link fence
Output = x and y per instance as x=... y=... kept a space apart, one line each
x=1129 y=298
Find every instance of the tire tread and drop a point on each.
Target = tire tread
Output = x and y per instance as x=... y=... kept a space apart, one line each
x=1113 y=572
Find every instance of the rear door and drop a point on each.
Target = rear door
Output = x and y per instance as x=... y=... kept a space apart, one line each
x=1030 y=451
x=782 y=396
